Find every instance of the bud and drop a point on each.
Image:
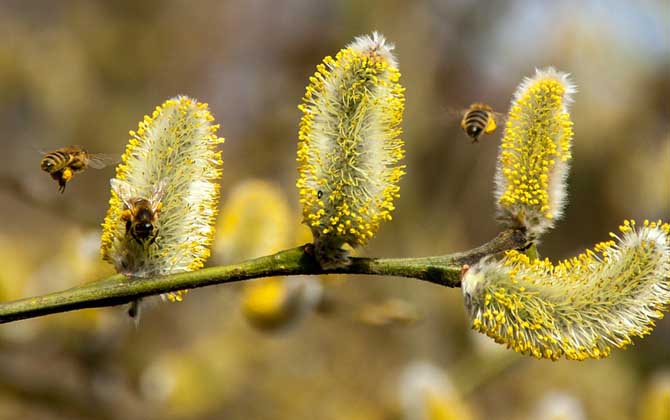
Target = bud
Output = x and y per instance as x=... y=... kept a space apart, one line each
x=427 y=393
x=534 y=156
x=559 y=406
x=256 y=220
x=349 y=147
x=276 y=303
x=655 y=398
x=173 y=164
x=580 y=308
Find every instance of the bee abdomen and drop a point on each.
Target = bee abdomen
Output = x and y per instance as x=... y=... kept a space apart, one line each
x=477 y=118
x=57 y=160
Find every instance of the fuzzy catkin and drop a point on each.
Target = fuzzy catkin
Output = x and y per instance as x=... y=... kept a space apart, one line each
x=580 y=308
x=535 y=152
x=349 y=146
x=174 y=150
x=255 y=220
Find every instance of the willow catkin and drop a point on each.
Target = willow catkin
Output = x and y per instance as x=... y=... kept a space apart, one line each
x=535 y=152
x=173 y=156
x=580 y=308
x=349 y=147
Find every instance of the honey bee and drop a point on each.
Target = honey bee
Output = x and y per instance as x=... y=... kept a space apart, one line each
x=139 y=213
x=63 y=163
x=479 y=119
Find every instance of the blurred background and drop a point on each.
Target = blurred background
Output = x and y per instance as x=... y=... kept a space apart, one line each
x=368 y=348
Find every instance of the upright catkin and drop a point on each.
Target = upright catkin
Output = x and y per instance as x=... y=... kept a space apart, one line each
x=349 y=147
x=535 y=153
x=174 y=150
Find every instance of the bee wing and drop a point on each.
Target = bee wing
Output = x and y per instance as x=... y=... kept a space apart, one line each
x=452 y=117
x=102 y=160
x=500 y=117
x=157 y=194
x=42 y=151
x=455 y=114
x=123 y=190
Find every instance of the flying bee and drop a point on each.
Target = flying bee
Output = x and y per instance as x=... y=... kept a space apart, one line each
x=139 y=213
x=479 y=119
x=63 y=163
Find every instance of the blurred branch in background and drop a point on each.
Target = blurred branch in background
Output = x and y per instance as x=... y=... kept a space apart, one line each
x=72 y=394
x=443 y=270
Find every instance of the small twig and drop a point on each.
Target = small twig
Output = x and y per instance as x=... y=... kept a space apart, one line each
x=443 y=270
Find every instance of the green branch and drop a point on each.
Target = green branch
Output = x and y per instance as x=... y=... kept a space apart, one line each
x=443 y=270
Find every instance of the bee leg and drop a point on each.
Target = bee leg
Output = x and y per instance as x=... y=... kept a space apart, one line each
x=128 y=224
x=153 y=238
x=132 y=233
x=58 y=177
x=65 y=176
x=526 y=246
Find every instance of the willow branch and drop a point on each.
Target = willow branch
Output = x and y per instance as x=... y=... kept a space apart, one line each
x=115 y=290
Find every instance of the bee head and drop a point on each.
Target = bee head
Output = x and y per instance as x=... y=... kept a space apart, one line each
x=144 y=228
x=143 y=214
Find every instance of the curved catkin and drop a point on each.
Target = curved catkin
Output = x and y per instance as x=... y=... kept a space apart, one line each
x=533 y=161
x=582 y=307
x=349 y=146
x=174 y=150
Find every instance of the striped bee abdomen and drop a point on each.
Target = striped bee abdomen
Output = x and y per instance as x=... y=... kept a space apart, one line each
x=478 y=120
x=55 y=161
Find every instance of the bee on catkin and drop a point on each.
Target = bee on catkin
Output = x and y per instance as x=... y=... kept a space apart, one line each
x=140 y=214
x=62 y=164
x=165 y=195
x=349 y=147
